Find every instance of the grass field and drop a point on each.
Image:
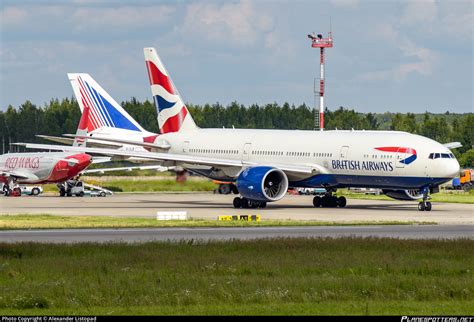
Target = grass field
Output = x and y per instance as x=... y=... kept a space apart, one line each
x=53 y=221
x=146 y=184
x=272 y=276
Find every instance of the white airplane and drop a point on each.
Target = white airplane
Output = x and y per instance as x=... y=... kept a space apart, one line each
x=265 y=163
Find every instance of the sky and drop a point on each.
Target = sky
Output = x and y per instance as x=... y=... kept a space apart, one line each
x=396 y=56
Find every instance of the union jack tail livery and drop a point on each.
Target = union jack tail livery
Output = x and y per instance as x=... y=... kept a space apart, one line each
x=173 y=116
x=103 y=111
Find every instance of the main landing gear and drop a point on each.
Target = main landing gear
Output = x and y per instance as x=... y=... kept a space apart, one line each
x=329 y=201
x=241 y=202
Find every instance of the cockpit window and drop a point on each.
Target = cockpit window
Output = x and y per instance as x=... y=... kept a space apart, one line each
x=441 y=155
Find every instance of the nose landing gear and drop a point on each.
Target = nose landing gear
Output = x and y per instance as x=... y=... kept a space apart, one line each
x=425 y=205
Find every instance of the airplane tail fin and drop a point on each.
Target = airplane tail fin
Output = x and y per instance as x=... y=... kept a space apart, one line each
x=104 y=113
x=173 y=115
x=82 y=129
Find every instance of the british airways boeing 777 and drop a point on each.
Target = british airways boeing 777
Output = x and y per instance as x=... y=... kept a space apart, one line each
x=265 y=163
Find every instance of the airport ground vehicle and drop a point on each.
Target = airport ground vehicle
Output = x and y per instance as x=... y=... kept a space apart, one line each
x=465 y=180
x=31 y=190
x=367 y=191
x=311 y=191
x=80 y=189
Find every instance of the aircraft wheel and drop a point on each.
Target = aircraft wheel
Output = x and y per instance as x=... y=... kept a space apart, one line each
x=237 y=202
x=254 y=204
x=428 y=206
x=341 y=202
x=421 y=206
x=317 y=202
x=262 y=204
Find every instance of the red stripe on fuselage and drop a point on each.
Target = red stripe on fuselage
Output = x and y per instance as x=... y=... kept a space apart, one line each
x=158 y=78
x=396 y=149
x=173 y=124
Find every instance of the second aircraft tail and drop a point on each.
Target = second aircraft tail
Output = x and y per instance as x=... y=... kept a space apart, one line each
x=173 y=115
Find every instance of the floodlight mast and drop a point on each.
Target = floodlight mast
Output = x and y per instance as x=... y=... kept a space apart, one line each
x=317 y=41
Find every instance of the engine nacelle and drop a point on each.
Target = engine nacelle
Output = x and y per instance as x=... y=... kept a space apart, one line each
x=411 y=194
x=262 y=183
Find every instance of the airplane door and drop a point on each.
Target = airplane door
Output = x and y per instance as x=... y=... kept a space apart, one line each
x=400 y=156
x=344 y=151
x=185 y=146
x=246 y=152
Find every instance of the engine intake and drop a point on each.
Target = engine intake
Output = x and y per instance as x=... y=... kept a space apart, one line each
x=411 y=194
x=262 y=183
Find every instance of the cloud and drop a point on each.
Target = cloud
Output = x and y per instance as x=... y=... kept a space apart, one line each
x=126 y=16
x=235 y=24
x=67 y=17
x=12 y=16
x=425 y=58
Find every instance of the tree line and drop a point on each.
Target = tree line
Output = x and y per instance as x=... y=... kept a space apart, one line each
x=62 y=116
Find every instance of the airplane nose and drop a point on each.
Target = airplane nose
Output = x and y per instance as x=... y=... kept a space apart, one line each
x=452 y=168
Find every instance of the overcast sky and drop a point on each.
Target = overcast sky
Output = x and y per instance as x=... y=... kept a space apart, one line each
x=398 y=56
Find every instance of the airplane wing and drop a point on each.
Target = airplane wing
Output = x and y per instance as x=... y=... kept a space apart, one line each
x=453 y=145
x=162 y=145
x=15 y=174
x=147 y=167
x=181 y=159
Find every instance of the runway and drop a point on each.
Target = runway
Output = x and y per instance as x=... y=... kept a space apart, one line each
x=210 y=206
x=208 y=234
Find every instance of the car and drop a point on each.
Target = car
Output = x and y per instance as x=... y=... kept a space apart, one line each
x=98 y=193
x=31 y=190
x=311 y=191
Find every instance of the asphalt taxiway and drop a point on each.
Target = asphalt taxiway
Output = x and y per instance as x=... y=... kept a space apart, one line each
x=210 y=206
x=207 y=234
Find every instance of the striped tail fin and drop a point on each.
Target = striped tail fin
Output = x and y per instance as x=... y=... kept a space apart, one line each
x=173 y=115
x=103 y=110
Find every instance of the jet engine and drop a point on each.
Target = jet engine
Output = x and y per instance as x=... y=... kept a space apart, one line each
x=411 y=194
x=262 y=183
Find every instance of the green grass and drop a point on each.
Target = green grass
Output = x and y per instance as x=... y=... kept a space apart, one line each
x=269 y=276
x=145 y=184
x=45 y=221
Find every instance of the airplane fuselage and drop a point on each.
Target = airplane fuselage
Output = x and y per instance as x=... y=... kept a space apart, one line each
x=44 y=167
x=383 y=159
